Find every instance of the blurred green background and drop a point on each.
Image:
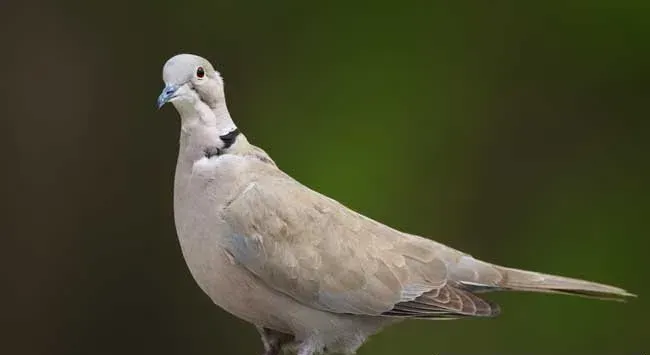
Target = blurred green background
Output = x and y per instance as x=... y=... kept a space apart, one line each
x=516 y=131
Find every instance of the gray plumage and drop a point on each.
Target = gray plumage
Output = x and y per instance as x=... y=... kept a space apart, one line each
x=310 y=273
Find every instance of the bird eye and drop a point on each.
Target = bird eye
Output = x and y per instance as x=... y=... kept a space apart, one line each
x=200 y=73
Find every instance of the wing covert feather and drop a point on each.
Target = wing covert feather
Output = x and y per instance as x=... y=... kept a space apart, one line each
x=329 y=257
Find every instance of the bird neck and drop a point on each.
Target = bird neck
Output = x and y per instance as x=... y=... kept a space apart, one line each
x=196 y=113
x=202 y=127
x=220 y=118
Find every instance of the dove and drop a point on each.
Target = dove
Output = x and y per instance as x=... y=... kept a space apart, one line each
x=312 y=275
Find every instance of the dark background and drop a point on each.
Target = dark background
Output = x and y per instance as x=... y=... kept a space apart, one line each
x=516 y=131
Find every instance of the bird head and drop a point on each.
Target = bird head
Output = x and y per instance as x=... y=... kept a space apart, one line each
x=191 y=81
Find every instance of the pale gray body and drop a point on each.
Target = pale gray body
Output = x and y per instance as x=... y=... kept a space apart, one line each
x=310 y=273
x=233 y=287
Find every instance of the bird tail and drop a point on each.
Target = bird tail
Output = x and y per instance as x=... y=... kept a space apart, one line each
x=479 y=276
x=530 y=281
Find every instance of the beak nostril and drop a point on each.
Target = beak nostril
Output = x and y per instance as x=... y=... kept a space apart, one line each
x=166 y=95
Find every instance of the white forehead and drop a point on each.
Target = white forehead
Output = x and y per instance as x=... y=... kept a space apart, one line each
x=181 y=67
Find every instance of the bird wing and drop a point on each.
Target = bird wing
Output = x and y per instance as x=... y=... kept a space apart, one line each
x=329 y=257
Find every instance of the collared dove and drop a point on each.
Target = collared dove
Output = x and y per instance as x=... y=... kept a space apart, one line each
x=311 y=274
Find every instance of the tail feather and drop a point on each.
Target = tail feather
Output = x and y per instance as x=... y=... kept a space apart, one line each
x=522 y=280
x=479 y=276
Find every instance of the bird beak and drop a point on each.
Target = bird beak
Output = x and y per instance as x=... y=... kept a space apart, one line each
x=167 y=94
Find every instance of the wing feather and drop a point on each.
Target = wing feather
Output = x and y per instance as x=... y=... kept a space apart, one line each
x=327 y=256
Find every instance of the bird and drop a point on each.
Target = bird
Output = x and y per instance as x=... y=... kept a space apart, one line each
x=311 y=274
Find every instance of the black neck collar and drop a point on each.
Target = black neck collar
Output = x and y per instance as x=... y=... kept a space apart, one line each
x=229 y=138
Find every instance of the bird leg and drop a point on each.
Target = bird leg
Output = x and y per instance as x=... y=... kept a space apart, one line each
x=307 y=348
x=273 y=340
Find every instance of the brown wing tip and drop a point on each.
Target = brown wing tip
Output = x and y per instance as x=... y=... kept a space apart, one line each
x=489 y=309
x=446 y=303
x=495 y=310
